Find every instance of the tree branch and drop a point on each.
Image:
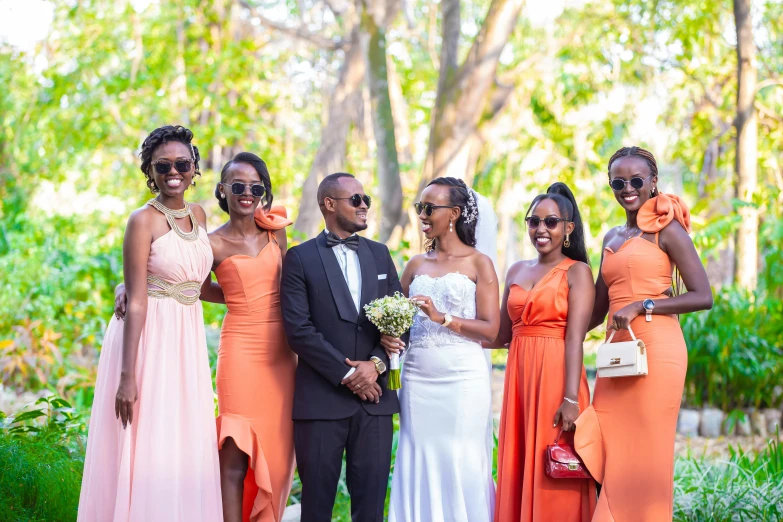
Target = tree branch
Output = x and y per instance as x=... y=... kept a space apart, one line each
x=300 y=32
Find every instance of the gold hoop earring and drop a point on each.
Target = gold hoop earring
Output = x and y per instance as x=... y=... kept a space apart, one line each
x=567 y=242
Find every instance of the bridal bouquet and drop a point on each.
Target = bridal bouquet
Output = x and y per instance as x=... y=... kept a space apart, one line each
x=393 y=315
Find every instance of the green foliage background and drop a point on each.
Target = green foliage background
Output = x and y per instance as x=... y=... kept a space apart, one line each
x=74 y=111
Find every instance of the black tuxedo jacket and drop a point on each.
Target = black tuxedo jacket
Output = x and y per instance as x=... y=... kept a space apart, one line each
x=324 y=328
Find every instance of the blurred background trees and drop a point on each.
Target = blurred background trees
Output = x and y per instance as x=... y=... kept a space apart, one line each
x=507 y=94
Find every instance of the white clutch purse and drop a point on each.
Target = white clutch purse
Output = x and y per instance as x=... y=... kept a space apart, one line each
x=626 y=359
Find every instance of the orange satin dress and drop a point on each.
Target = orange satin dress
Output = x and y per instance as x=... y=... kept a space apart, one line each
x=626 y=438
x=255 y=374
x=534 y=388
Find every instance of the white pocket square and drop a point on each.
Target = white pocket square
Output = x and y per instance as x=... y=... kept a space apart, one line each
x=381 y=276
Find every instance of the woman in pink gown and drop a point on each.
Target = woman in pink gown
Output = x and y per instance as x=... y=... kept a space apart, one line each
x=152 y=448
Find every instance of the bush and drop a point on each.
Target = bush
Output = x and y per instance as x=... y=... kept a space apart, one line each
x=735 y=352
x=41 y=458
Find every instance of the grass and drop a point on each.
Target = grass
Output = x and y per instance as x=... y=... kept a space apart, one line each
x=745 y=487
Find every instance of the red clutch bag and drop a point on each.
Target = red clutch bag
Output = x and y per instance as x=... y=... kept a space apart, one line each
x=562 y=462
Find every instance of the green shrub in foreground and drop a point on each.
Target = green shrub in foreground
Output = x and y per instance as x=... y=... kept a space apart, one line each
x=746 y=487
x=40 y=464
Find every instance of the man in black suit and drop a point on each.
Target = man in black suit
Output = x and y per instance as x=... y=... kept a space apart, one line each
x=341 y=400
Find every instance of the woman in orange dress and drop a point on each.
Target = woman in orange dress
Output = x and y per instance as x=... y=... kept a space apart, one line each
x=546 y=310
x=255 y=368
x=626 y=438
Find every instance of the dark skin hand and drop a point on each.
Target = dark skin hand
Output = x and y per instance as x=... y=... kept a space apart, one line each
x=673 y=240
x=145 y=226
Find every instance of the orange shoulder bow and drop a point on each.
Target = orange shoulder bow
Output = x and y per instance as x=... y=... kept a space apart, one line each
x=275 y=219
x=658 y=212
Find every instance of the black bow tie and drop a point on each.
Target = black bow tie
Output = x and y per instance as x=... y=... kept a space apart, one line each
x=351 y=242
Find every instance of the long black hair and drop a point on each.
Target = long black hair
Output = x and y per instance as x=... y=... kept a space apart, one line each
x=562 y=195
x=460 y=196
x=157 y=138
x=258 y=164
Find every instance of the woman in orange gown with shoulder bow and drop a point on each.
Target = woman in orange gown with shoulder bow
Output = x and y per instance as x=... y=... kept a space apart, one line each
x=626 y=438
x=255 y=368
x=546 y=310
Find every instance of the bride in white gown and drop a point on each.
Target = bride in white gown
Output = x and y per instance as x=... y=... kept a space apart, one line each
x=443 y=470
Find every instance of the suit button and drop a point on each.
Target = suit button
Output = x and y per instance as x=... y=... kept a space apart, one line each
x=360 y=328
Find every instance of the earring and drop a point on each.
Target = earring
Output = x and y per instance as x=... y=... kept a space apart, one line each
x=451 y=226
x=223 y=195
x=567 y=242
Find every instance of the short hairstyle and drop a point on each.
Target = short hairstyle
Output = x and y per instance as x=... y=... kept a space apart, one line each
x=263 y=173
x=329 y=184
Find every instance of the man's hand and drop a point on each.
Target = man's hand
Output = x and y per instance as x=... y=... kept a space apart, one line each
x=363 y=378
x=372 y=393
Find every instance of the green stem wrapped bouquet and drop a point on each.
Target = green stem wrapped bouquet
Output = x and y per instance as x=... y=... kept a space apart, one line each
x=393 y=315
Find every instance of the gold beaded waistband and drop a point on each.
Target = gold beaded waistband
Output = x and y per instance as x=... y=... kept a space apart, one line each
x=175 y=291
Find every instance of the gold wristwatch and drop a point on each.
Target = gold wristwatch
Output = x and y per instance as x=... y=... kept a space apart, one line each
x=380 y=366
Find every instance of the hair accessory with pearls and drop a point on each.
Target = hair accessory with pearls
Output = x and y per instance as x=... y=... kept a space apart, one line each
x=471 y=209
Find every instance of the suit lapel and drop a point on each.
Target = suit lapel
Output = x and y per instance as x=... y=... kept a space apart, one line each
x=369 y=275
x=340 y=291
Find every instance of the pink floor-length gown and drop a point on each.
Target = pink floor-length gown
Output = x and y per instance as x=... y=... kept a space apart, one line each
x=164 y=466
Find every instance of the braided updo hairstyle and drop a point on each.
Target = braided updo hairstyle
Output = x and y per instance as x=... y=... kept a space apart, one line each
x=639 y=153
x=157 y=138
x=263 y=173
x=459 y=196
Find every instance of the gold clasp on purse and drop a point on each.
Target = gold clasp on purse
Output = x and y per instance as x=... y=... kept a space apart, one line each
x=573 y=466
x=614 y=361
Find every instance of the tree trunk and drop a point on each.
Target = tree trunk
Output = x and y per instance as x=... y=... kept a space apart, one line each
x=746 y=253
x=376 y=16
x=344 y=103
x=464 y=91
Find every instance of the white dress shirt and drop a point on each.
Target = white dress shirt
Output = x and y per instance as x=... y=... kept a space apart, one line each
x=352 y=272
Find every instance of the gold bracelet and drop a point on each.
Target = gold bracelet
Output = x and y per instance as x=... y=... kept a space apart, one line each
x=447 y=319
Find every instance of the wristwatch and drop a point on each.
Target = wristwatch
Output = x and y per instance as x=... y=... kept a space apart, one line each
x=380 y=366
x=447 y=319
x=649 y=306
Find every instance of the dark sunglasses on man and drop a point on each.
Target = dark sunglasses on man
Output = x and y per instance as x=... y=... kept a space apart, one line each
x=183 y=166
x=427 y=208
x=356 y=200
x=238 y=188
x=636 y=182
x=550 y=222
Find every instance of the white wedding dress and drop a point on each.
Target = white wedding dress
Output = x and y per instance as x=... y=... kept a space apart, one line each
x=443 y=469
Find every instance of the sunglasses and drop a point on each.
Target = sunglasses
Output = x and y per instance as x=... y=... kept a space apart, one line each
x=356 y=200
x=427 y=208
x=533 y=222
x=636 y=182
x=164 y=166
x=238 y=188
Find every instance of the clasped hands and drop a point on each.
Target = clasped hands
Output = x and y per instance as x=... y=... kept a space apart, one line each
x=362 y=381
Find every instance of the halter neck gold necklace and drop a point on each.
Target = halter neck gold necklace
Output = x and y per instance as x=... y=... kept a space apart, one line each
x=171 y=215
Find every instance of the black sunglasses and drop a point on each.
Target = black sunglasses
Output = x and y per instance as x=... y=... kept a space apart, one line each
x=356 y=200
x=428 y=207
x=550 y=222
x=238 y=188
x=636 y=182
x=164 y=166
